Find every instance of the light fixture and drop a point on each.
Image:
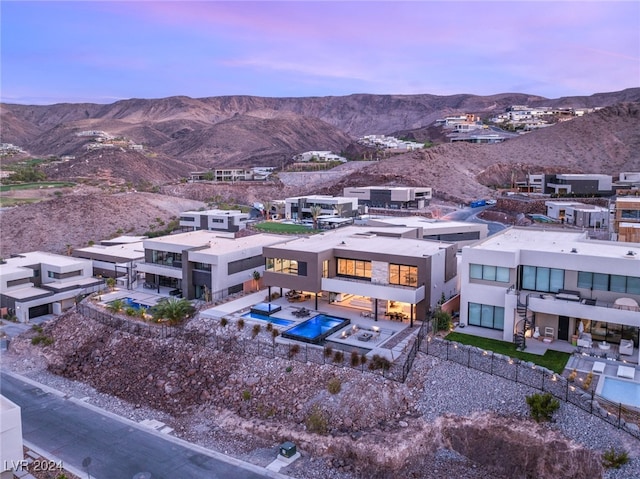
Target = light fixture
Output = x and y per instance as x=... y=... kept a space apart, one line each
x=574 y=250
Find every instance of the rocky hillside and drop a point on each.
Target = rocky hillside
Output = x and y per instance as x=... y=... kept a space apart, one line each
x=251 y=131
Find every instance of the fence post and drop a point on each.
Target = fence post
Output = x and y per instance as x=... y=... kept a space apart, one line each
x=448 y=343
x=591 y=404
x=543 y=375
x=619 y=413
x=491 y=367
x=468 y=357
x=516 y=365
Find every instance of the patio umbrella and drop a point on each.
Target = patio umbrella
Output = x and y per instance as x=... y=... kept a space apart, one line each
x=580 y=326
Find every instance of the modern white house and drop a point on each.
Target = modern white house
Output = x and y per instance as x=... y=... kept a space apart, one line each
x=299 y=207
x=11 y=454
x=214 y=220
x=38 y=283
x=203 y=262
x=578 y=214
x=365 y=268
x=556 y=281
x=119 y=261
x=320 y=156
x=458 y=232
x=394 y=197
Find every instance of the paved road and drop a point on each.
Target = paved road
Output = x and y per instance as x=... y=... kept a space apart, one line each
x=470 y=215
x=118 y=448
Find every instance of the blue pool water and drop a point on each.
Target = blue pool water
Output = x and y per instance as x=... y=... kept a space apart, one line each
x=130 y=303
x=265 y=308
x=625 y=392
x=316 y=329
x=270 y=319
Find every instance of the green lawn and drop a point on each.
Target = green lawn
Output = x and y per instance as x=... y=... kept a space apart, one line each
x=274 y=227
x=36 y=186
x=553 y=360
x=7 y=202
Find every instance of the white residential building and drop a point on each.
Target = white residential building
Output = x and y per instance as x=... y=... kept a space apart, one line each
x=394 y=197
x=299 y=207
x=38 y=283
x=11 y=453
x=214 y=220
x=322 y=156
x=556 y=280
x=202 y=261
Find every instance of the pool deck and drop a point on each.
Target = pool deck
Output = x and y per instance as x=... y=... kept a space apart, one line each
x=380 y=331
x=147 y=299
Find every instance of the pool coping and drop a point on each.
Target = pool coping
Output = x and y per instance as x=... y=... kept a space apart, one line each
x=318 y=339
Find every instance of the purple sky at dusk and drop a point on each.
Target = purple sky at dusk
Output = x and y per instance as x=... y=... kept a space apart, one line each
x=101 y=51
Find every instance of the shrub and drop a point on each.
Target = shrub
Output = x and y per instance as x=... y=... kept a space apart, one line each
x=293 y=350
x=587 y=382
x=363 y=359
x=379 y=362
x=338 y=357
x=255 y=330
x=542 y=406
x=317 y=421
x=269 y=327
x=355 y=359
x=224 y=322
x=573 y=375
x=612 y=459
x=131 y=311
x=246 y=395
x=289 y=369
x=42 y=339
x=334 y=385
x=442 y=320
x=240 y=324
x=328 y=351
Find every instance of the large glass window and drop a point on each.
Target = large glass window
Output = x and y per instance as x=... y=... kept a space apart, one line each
x=403 y=275
x=537 y=278
x=166 y=258
x=286 y=266
x=609 y=282
x=354 y=268
x=489 y=273
x=486 y=316
x=325 y=268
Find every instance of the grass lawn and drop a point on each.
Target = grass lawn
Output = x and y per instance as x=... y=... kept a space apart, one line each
x=553 y=360
x=7 y=202
x=274 y=227
x=36 y=186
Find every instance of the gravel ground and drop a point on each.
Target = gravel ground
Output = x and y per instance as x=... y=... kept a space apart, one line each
x=449 y=389
x=454 y=389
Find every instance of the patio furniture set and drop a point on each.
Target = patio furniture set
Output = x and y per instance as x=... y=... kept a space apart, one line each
x=301 y=313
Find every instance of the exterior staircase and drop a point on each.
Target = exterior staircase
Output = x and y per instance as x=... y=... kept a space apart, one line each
x=524 y=324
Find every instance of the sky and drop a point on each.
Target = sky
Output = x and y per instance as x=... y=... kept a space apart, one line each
x=104 y=51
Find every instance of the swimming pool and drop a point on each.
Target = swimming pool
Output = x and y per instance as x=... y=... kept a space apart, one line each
x=316 y=329
x=270 y=319
x=266 y=309
x=130 y=303
x=617 y=390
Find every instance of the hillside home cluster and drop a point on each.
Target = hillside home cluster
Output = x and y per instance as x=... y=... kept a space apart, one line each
x=319 y=156
x=564 y=283
x=389 y=143
x=38 y=283
x=530 y=118
x=258 y=173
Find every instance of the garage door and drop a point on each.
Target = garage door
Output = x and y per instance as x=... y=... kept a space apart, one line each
x=38 y=311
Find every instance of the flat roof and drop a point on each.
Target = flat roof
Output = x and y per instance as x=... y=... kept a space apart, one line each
x=628 y=199
x=427 y=223
x=27 y=292
x=554 y=241
x=38 y=257
x=125 y=239
x=188 y=239
x=356 y=238
x=214 y=212
x=223 y=245
x=130 y=251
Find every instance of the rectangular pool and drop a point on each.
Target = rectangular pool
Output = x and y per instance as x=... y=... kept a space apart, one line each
x=130 y=303
x=270 y=319
x=266 y=309
x=316 y=329
x=620 y=391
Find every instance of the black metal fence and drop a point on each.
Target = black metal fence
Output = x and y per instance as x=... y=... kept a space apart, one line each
x=398 y=370
x=536 y=377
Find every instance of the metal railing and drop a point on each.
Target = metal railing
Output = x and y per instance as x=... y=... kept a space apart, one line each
x=537 y=377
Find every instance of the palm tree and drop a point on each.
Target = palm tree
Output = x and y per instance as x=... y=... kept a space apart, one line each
x=338 y=209
x=267 y=209
x=172 y=310
x=315 y=212
x=116 y=306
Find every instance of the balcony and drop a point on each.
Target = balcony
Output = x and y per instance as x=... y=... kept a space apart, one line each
x=160 y=269
x=392 y=292
x=584 y=308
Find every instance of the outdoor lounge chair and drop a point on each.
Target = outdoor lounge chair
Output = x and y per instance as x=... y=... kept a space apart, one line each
x=626 y=372
x=626 y=347
x=598 y=367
